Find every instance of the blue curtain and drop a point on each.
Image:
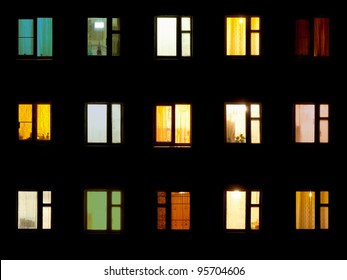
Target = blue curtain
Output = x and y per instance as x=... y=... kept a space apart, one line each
x=44 y=36
x=26 y=37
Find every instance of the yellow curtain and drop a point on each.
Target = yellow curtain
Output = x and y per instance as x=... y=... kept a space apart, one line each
x=25 y=114
x=182 y=124
x=180 y=210
x=236 y=36
x=44 y=121
x=305 y=210
x=255 y=36
x=163 y=124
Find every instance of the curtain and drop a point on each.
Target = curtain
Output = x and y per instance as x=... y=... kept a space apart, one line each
x=25 y=37
x=116 y=123
x=116 y=210
x=324 y=123
x=25 y=114
x=321 y=37
x=182 y=124
x=236 y=210
x=305 y=210
x=97 y=34
x=43 y=121
x=304 y=123
x=255 y=36
x=180 y=210
x=44 y=36
x=236 y=36
x=115 y=36
x=302 y=39
x=27 y=210
x=236 y=123
x=166 y=36
x=97 y=123
x=96 y=210
x=163 y=124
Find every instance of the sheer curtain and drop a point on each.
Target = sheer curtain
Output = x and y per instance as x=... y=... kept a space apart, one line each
x=305 y=210
x=304 y=123
x=25 y=114
x=96 y=123
x=236 y=36
x=27 y=210
x=235 y=122
x=235 y=209
x=182 y=124
x=163 y=123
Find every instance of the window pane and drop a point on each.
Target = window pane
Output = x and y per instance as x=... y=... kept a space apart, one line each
x=255 y=23
x=305 y=206
x=324 y=110
x=161 y=218
x=25 y=113
x=97 y=34
x=115 y=44
x=46 y=217
x=324 y=197
x=97 y=123
x=254 y=218
x=116 y=24
x=236 y=123
x=304 y=123
x=255 y=111
x=186 y=44
x=180 y=210
x=27 y=210
x=46 y=197
x=43 y=121
x=25 y=37
x=96 y=210
x=236 y=35
x=255 y=197
x=302 y=43
x=182 y=124
x=116 y=123
x=324 y=131
x=321 y=37
x=166 y=36
x=163 y=125
x=236 y=210
x=324 y=217
x=161 y=198
x=185 y=23
x=255 y=43
x=44 y=37
x=116 y=198
x=255 y=131
x=116 y=218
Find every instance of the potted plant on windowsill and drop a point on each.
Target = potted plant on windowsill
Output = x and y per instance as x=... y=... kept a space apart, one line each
x=240 y=138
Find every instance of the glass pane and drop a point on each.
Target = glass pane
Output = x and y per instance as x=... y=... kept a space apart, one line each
x=182 y=123
x=324 y=131
x=96 y=210
x=164 y=124
x=324 y=110
x=161 y=218
x=236 y=210
x=255 y=197
x=166 y=36
x=116 y=198
x=116 y=123
x=116 y=24
x=304 y=123
x=185 y=21
x=305 y=214
x=236 y=123
x=44 y=122
x=97 y=123
x=180 y=210
x=324 y=217
x=116 y=218
x=25 y=113
x=46 y=217
x=255 y=131
x=255 y=43
x=255 y=111
x=254 y=218
x=115 y=44
x=27 y=210
x=97 y=34
x=46 y=197
x=236 y=35
x=25 y=37
x=44 y=36
x=186 y=44
x=161 y=197
x=255 y=23
x=324 y=197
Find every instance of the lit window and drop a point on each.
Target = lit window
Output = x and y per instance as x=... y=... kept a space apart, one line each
x=242 y=210
x=242 y=36
x=173 y=36
x=35 y=37
x=104 y=123
x=104 y=210
x=173 y=125
x=34 y=209
x=34 y=122
x=306 y=205
x=243 y=123
x=100 y=41
x=307 y=118
x=312 y=37
x=173 y=210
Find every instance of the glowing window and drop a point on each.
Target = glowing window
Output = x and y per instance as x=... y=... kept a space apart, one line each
x=104 y=123
x=312 y=37
x=173 y=125
x=243 y=120
x=34 y=122
x=306 y=205
x=103 y=210
x=173 y=210
x=309 y=117
x=174 y=36
x=35 y=37
x=242 y=210
x=242 y=36
x=34 y=209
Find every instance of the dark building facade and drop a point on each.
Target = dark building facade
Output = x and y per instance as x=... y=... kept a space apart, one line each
x=131 y=190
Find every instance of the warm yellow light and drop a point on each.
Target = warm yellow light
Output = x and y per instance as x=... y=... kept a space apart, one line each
x=310 y=194
x=236 y=194
x=240 y=20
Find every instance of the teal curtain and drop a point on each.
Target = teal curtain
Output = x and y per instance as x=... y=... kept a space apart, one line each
x=44 y=36
x=25 y=37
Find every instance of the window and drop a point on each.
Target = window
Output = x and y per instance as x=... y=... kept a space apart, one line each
x=307 y=118
x=173 y=36
x=103 y=210
x=312 y=37
x=173 y=210
x=104 y=123
x=100 y=41
x=243 y=119
x=34 y=209
x=35 y=37
x=173 y=125
x=242 y=210
x=307 y=208
x=34 y=122
x=242 y=36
